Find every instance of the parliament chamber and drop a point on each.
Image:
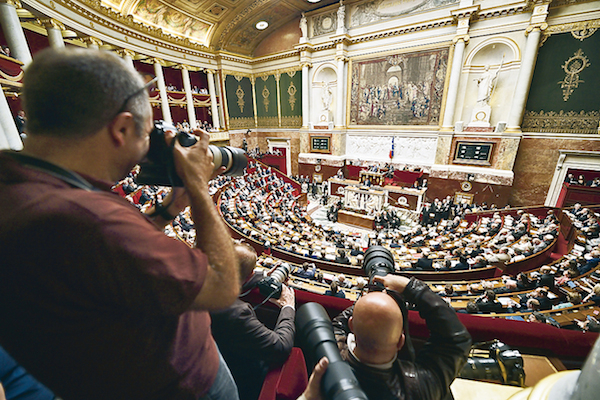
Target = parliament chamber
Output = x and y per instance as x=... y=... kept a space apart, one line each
x=461 y=135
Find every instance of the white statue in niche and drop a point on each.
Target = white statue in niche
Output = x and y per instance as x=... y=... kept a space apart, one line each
x=304 y=26
x=486 y=85
x=326 y=96
x=341 y=16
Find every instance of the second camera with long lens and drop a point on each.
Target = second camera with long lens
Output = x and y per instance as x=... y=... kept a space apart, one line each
x=314 y=329
x=271 y=285
x=158 y=168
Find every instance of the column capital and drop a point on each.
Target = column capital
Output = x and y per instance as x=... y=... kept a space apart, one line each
x=125 y=52
x=15 y=3
x=181 y=66
x=51 y=23
x=536 y=27
x=341 y=58
x=210 y=71
x=160 y=61
x=90 y=40
x=464 y=38
x=306 y=64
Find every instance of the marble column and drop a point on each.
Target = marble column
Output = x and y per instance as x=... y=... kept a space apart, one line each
x=253 y=82
x=305 y=95
x=191 y=111
x=210 y=75
x=455 y=72
x=54 y=29
x=92 y=42
x=277 y=80
x=340 y=103
x=7 y=123
x=524 y=81
x=164 y=101
x=13 y=31
x=127 y=56
x=3 y=140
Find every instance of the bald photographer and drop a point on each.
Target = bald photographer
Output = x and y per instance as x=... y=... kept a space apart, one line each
x=371 y=333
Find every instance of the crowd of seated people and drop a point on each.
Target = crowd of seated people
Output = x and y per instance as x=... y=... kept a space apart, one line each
x=586 y=220
x=581 y=181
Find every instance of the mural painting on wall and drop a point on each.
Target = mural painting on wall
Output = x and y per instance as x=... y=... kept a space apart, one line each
x=402 y=89
x=563 y=96
x=240 y=104
x=153 y=12
x=290 y=92
x=377 y=10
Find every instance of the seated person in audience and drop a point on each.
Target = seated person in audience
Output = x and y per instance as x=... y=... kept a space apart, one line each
x=248 y=346
x=523 y=282
x=541 y=295
x=573 y=299
x=537 y=317
x=546 y=278
x=360 y=283
x=335 y=291
x=342 y=258
x=590 y=324
x=488 y=303
x=594 y=295
x=305 y=272
x=510 y=285
x=461 y=265
x=471 y=308
x=424 y=263
x=592 y=262
x=342 y=282
x=370 y=335
x=17 y=383
x=448 y=291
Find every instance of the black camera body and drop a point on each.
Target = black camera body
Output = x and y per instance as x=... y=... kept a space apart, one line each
x=271 y=285
x=158 y=168
x=317 y=339
x=504 y=365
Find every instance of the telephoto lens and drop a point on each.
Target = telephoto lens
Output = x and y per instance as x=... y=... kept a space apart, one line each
x=315 y=332
x=378 y=261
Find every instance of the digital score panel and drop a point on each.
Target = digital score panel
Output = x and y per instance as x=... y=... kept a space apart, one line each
x=320 y=144
x=473 y=153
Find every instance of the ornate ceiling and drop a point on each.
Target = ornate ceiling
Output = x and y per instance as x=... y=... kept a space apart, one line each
x=228 y=25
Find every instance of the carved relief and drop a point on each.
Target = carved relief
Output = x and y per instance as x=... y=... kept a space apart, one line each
x=171 y=20
x=240 y=95
x=384 y=9
x=325 y=23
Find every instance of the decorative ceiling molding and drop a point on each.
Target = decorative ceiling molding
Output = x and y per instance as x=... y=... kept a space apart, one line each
x=89 y=8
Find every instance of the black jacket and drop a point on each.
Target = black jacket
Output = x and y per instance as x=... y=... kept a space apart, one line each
x=436 y=364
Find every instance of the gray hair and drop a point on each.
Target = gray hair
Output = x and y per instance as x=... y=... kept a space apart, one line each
x=76 y=92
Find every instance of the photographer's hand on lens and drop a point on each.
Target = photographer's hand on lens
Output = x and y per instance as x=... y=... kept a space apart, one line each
x=313 y=389
x=393 y=282
x=288 y=297
x=194 y=164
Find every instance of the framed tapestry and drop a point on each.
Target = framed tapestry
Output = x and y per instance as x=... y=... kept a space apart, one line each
x=398 y=89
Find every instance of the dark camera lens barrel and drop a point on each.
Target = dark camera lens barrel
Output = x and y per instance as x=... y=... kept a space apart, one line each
x=482 y=369
x=379 y=261
x=316 y=334
x=233 y=159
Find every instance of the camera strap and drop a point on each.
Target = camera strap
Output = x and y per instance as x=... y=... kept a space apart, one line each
x=64 y=175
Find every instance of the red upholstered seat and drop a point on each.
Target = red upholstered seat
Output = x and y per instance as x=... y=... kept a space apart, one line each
x=288 y=381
